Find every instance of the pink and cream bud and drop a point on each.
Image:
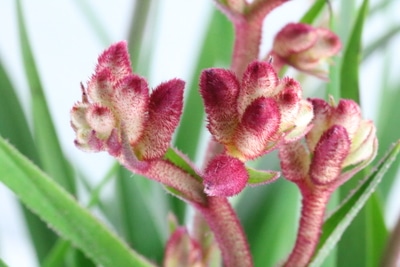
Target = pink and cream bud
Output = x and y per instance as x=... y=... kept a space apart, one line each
x=304 y=47
x=339 y=138
x=117 y=108
x=252 y=117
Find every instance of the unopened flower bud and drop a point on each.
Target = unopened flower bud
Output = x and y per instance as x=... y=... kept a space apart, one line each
x=340 y=138
x=182 y=250
x=116 y=108
x=225 y=176
x=305 y=48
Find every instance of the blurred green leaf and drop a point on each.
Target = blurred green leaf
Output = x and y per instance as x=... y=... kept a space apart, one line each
x=89 y=12
x=14 y=127
x=349 y=84
x=268 y=214
x=62 y=212
x=49 y=149
x=336 y=224
x=2 y=264
x=313 y=12
x=142 y=211
x=381 y=41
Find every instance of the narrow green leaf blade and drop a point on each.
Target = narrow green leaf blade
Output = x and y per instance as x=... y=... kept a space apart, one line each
x=14 y=127
x=2 y=264
x=336 y=224
x=62 y=212
x=349 y=83
x=49 y=149
x=313 y=12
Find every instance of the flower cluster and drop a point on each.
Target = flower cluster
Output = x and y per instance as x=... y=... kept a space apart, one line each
x=252 y=117
x=116 y=109
x=339 y=139
x=249 y=118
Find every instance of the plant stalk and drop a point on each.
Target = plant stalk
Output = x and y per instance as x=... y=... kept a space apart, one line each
x=228 y=232
x=312 y=217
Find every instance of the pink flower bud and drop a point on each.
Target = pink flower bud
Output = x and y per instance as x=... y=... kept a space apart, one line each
x=305 y=47
x=259 y=124
x=225 y=176
x=182 y=250
x=329 y=155
x=165 y=109
x=219 y=89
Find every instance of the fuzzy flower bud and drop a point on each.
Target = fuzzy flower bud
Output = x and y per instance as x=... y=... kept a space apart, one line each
x=225 y=176
x=252 y=117
x=340 y=138
x=305 y=48
x=182 y=250
x=116 y=105
x=339 y=145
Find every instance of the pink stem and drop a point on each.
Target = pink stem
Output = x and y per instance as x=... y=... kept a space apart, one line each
x=247 y=42
x=312 y=217
x=228 y=232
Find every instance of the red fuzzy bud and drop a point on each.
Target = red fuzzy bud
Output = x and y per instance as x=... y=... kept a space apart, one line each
x=225 y=176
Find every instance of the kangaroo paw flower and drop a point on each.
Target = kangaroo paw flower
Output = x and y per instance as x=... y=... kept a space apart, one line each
x=339 y=139
x=117 y=103
x=253 y=116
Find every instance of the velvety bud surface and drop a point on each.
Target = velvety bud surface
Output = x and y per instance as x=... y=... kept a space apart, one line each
x=252 y=117
x=225 y=176
x=116 y=108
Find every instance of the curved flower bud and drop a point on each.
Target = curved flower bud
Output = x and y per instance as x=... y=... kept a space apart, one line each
x=225 y=176
x=305 y=48
x=253 y=117
x=117 y=109
x=182 y=250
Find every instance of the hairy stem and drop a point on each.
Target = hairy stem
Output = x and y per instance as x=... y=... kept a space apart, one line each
x=228 y=232
x=312 y=217
x=247 y=42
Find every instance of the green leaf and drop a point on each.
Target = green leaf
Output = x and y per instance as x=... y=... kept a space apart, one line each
x=49 y=149
x=268 y=214
x=381 y=41
x=257 y=177
x=313 y=12
x=336 y=224
x=349 y=82
x=14 y=127
x=142 y=210
x=2 y=264
x=61 y=211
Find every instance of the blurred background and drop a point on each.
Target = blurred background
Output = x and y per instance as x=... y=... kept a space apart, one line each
x=67 y=36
